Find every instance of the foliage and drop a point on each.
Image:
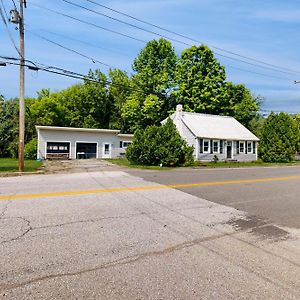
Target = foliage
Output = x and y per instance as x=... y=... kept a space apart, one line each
x=152 y=82
x=279 y=138
x=30 y=149
x=155 y=67
x=159 y=145
x=239 y=103
x=160 y=81
x=9 y=110
x=201 y=80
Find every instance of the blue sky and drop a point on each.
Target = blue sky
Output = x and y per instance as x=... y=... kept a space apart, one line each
x=263 y=30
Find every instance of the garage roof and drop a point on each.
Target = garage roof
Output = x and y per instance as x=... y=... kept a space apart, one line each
x=56 y=128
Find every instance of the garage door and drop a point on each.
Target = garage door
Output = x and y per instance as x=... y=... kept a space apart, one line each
x=86 y=150
x=58 y=150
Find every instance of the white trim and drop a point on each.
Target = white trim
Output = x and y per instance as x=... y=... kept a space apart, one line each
x=56 y=128
x=250 y=143
x=197 y=150
x=125 y=142
x=87 y=142
x=38 y=146
x=242 y=142
x=231 y=154
x=218 y=141
x=57 y=141
x=103 y=150
x=206 y=140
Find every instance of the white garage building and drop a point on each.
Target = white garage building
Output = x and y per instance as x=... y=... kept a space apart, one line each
x=74 y=143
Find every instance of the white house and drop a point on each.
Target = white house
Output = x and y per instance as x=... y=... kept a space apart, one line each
x=212 y=135
x=74 y=143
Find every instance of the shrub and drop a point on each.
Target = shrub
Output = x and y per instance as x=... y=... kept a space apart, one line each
x=30 y=149
x=159 y=145
x=279 y=138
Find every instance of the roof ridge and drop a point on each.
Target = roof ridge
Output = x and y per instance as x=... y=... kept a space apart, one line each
x=203 y=114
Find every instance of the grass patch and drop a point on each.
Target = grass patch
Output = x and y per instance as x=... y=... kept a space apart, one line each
x=220 y=164
x=233 y=164
x=11 y=165
x=126 y=163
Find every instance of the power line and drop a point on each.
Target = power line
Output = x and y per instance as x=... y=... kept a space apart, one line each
x=6 y=26
x=93 y=60
x=64 y=72
x=186 y=44
x=83 y=42
x=87 y=23
x=123 y=22
x=189 y=38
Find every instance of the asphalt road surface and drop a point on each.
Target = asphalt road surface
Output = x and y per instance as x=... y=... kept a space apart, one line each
x=125 y=235
x=277 y=200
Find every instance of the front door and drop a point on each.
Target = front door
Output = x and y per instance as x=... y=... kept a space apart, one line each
x=229 y=150
x=106 y=150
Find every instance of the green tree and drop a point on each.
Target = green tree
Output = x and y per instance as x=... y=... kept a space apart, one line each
x=279 y=138
x=155 y=68
x=239 y=103
x=120 y=89
x=152 y=83
x=159 y=145
x=9 y=121
x=201 y=81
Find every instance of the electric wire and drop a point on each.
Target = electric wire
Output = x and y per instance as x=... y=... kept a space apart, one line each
x=93 y=60
x=6 y=26
x=189 y=38
x=143 y=41
x=87 y=23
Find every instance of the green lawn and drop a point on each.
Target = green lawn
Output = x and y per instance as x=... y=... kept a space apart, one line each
x=11 y=165
x=124 y=162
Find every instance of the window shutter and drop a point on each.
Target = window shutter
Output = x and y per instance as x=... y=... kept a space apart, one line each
x=246 y=147
x=211 y=146
x=121 y=144
x=237 y=147
x=201 y=145
x=254 y=147
x=221 y=146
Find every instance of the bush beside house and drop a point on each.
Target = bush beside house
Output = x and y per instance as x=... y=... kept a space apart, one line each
x=279 y=138
x=159 y=145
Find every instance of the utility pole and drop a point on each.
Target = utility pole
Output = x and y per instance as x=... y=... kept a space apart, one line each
x=22 y=88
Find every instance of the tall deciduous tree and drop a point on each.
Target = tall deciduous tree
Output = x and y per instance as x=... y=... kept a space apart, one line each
x=155 y=68
x=201 y=80
x=153 y=81
x=120 y=89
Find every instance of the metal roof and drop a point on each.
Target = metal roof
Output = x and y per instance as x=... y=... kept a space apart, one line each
x=216 y=127
x=55 y=128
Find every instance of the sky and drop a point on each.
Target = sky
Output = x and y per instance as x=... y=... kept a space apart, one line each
x=266 y=30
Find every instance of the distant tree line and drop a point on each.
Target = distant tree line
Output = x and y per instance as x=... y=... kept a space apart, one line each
x=159 y=82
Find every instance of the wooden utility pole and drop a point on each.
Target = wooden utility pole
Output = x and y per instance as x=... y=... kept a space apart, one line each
x=22 y=88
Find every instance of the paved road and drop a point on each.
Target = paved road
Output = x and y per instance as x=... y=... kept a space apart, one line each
x=111 y=235
x=277 y=200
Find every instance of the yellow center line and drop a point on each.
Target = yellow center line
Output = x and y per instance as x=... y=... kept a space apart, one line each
x=143 y=188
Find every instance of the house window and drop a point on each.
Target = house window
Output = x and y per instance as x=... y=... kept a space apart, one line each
x=216 y=146
x=205 y=146
x=126 y=144
x=249 y=147
x=242 y=147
